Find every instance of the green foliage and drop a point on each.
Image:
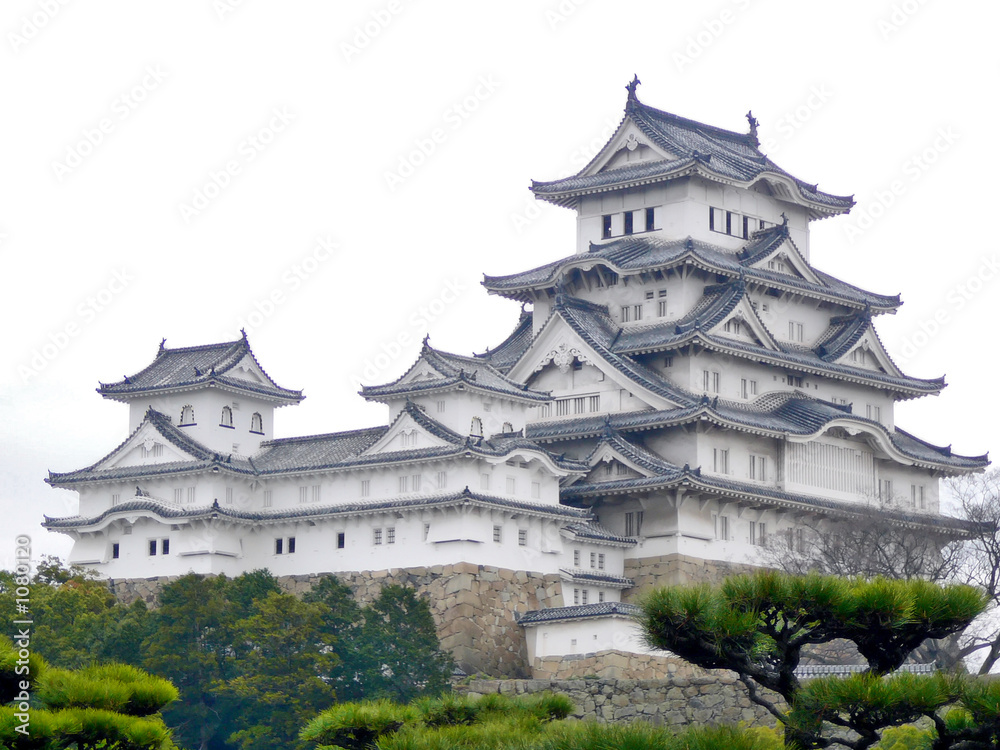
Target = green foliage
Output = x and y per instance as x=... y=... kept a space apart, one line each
x=906 y=738
x=356 y=726
x=112 y=687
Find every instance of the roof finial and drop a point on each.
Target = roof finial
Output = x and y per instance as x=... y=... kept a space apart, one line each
x=427 y=338
x=243 y=332
x=631 y=88
x=753 y=127
x=163 y=344
x=784 y=219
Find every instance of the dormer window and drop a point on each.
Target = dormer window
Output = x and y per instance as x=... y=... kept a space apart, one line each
x=507 y=427
x=476 y=430
x=257 y=423
x=227 y=417
x=187 y=415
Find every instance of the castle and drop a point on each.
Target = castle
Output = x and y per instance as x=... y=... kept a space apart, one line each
x=682 y=391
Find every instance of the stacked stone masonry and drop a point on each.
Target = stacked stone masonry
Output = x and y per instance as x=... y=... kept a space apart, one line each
x=699 y=699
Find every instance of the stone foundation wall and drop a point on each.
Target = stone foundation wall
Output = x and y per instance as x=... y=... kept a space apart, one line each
x=474 y=606
x=701 y=699
x=612 y=665
x=673 y=570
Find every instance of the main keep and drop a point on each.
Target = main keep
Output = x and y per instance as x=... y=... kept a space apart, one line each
x=682 y=391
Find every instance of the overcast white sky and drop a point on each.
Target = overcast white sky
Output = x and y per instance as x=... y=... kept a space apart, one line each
x=318 y=108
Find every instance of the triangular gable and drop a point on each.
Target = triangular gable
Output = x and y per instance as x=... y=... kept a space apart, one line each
x=147 y=446
x=742 y=324
x=406 y=433
x=557 y=345
x=247 y=369
x=422 y=370
x=609 y=464
x=628 y=146
x=786 y=259
x=869 y=354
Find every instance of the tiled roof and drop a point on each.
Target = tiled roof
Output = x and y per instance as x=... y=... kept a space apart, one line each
x=779 y=414
x=593 y=576
x=506 y=354
x=638 y=253
x=455 y=371
x=197 y=366
x=709 y=150
x=202 y=458
x=163 y=510
x=594 y=531
x=584 y=611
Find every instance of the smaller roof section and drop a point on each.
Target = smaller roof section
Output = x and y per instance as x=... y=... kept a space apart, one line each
x=581 y=612
x=436 y=371
x=230 y=366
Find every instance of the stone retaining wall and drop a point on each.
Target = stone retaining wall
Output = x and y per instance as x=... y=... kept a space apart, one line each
x=474 y=606
x=672 y=570
x=700 y=699
x=613 y=665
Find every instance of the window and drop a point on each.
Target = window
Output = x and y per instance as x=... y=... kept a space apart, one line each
x=611 y=278
x=442 y=480
x=511 y=485
x=885 y=490
x=626 y=313
x=279 y=546
x=390 y=535
x=722 y=528
x=720 y=460
x=668 y=362
x=795 y=381
x=341 y=540
x=227 y=417
x=303 y=494
x=498 y=533
x=711 y=380
x=376 y=536
x=629 y=222
x=600 y=561
x=600 y=596
x=484 y=481
x=650 y=295
x=650 y=219
x=476 y=430
x=427 y=531
x=115 y=551
x=415 y=482
x=409 y=439
x=545 y=411
x=717 y=220
x=152 y=547
x=268 y=498
x=594 y=403
x=732 y=326
x=579 y=404
x=593 y=560
x=758 y=533
x=576 y=558
x=583 y=596
x=661 y=308
x=758 y=468
x=440 y=407
x=874 y=412
x=366 y=487
x=190 y=495
x=637 y=312
x=606 y=226
x=229 y=495
x=921 y=501
x=795 y=331
x=164 y=546
x=116 y=498
x=507 y=428
x=404 y=484
x=858 y=355
x=316 y=494
x=187 y=415
x=633 y=523
x=536 y=490
x=291 y=545
x=576 y=601
x=748 y=388
x=178 y=495
x=522 y=537
x=257 y=423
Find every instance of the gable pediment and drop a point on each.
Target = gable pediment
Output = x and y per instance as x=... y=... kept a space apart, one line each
x=628 y=146
x=786 y=259
x=146 y=447
x=869 y=354
x=405 y=434
x=247 y=369
x=743 y=325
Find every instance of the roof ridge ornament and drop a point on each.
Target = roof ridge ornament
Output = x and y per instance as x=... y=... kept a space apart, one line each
x=784 y=219
x=633 y=84
x=163 y=344
x=754 y=122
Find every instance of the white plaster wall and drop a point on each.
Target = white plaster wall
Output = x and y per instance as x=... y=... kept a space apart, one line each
x=585 y=636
